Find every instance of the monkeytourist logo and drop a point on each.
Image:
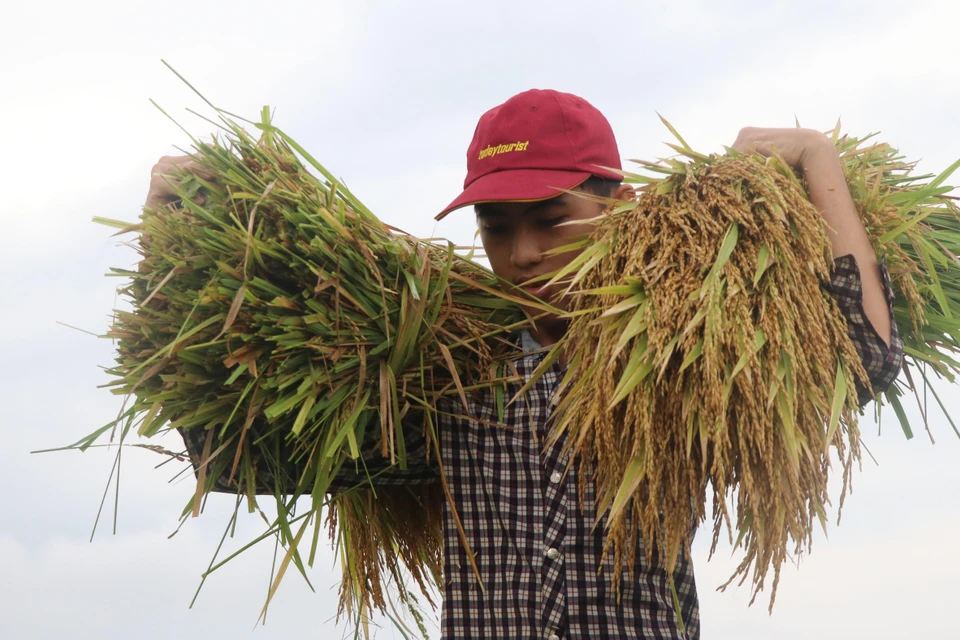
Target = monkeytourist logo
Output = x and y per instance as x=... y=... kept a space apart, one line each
x=491 y=151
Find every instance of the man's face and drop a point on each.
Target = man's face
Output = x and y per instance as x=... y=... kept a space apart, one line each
x=517 y=237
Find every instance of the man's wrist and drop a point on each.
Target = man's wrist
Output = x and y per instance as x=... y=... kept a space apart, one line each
x=820 y=154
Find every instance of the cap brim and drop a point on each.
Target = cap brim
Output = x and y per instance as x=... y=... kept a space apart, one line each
x=518 y=185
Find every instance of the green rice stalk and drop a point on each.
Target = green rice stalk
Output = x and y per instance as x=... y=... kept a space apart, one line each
x=276 y=320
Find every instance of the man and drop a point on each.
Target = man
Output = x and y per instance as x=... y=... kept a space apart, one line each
x=537 y=552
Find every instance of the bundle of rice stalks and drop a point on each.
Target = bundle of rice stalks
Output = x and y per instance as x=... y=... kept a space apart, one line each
x=706 y=361
x=277 y=317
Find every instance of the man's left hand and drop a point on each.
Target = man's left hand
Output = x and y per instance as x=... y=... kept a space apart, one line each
x=815 y=156
x=798 y=147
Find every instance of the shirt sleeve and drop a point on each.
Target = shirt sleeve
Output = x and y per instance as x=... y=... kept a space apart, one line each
x=882 y=363
x=283 y=469
x=379 y=471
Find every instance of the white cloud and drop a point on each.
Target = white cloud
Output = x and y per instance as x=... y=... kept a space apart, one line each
x=883 y=586
x=892 y=71
x=143 y=583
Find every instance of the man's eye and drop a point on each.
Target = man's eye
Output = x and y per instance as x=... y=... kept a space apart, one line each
x=495 y=229
x=552 y=222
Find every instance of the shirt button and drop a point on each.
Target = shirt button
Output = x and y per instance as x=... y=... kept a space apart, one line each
x=555 y=477
x=552 y=553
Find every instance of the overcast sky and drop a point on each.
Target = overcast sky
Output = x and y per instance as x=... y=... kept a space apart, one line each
x=387 y=96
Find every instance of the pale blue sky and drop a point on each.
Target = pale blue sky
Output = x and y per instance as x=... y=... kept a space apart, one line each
x=387 y=95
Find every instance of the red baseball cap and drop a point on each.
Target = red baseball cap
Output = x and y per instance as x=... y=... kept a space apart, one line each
x=534 y=145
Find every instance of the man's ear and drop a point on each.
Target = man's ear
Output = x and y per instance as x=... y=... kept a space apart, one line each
x=624 y=192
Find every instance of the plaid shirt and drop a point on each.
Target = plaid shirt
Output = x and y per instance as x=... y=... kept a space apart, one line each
x=537 y=552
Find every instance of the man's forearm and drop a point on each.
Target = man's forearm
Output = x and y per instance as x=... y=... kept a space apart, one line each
x=828 y=191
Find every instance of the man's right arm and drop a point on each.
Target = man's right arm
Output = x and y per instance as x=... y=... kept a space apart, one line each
x=280 y=471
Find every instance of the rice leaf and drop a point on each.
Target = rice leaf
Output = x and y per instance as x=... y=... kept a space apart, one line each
x=901 y=415
x=631 y=480
x=763 y=261
x=839 y=397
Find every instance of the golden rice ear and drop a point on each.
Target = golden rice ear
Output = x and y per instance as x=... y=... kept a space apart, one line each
x=758 y=380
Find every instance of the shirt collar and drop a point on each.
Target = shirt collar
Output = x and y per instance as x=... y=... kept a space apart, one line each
x=527 y=342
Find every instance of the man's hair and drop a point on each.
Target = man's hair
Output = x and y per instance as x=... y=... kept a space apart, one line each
x=603 y=187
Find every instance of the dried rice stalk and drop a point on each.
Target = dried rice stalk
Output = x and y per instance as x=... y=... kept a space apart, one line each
x=706 y=360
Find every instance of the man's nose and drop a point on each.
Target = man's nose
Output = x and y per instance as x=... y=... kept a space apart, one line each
x=526 y=249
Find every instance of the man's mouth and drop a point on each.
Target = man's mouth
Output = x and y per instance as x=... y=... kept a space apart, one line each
x=538 y=289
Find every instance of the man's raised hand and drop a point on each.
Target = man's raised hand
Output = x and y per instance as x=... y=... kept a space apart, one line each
x=164 y=176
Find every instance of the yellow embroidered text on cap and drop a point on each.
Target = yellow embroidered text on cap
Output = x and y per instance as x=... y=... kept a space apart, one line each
x=491 y=151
